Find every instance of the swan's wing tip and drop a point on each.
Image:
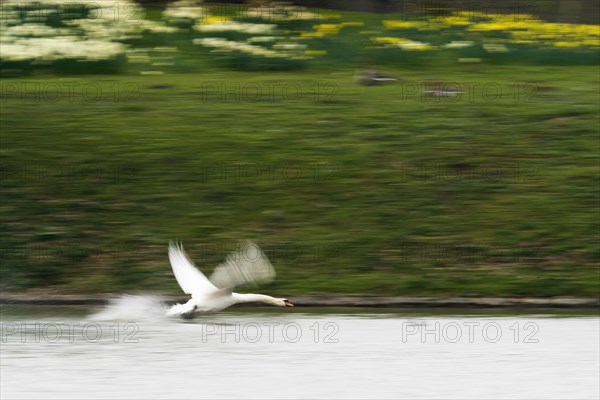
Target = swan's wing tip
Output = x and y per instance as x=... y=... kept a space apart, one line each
x=248 y=265
x=189 y=278
x=176 y=247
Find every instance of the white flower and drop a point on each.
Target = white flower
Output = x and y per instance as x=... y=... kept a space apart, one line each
x=231 y=26
x=495 y=48
x=280 y=13
x=289 y=46
x=412 y=45
x=33 y=30
x=185 y=10
x=458 y=44
x=63 y=47
x=138 y=58
x=262 y=39
x=166 y=49
x=227 y=45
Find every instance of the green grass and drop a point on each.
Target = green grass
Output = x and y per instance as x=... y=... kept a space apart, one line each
x=92 y=191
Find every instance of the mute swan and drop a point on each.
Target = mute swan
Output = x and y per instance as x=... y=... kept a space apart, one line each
x=249 y=265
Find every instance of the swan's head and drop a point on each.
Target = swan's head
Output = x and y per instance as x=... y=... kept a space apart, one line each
x=286 y=303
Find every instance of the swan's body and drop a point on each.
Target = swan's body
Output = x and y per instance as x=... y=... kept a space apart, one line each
x=250 y=265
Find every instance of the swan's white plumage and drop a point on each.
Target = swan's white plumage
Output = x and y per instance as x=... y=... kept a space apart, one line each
x=191 y=280
x=247 y=265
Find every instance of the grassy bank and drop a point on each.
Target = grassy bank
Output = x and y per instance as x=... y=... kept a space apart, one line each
x=350 y=189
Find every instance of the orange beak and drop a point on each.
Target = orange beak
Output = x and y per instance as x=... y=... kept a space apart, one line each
x=288 y=304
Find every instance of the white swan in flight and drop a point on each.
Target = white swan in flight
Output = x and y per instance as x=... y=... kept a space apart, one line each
x=249 y=265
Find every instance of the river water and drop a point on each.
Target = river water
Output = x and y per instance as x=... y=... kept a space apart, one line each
x=128 y=350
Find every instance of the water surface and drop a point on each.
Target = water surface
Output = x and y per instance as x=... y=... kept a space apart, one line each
x=128 y=350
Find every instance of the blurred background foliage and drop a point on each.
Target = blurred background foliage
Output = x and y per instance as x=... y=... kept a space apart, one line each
x=381 y=190
x=191 y=36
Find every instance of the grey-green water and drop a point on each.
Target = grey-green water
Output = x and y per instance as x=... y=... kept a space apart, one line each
x=128 y=350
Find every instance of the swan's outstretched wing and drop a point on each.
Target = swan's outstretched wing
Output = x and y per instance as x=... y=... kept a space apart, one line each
x=191 y=280
x=247 y=265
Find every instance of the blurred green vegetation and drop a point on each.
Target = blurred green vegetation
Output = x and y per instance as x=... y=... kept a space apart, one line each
x=349 y=189
x=131 y=39
x=361 y=190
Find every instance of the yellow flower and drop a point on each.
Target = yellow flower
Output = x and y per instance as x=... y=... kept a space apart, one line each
x=456 y=20
x=498 y=26
x=521 y=33
x=591 y=42
x=390 y=40
x=315 y=52
x=330 y=29
x=215 y=20
x=523 y=41
x=311 y=34
x=566 y=44
x=352 y=23
x=391 y=24
x=323 y=30
x=405 y=44
x=417 y=46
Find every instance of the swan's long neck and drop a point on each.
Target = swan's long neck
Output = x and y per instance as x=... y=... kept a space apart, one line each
x=259 y=298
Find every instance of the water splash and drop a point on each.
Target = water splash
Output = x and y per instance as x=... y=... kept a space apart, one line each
x=132 y=308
